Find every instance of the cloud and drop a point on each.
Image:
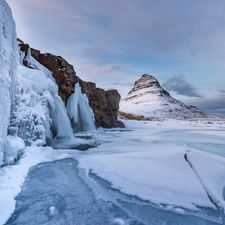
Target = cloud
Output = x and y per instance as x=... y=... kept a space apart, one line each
x=101 y=67
x=167 y=27
x=212 y=105
x=221 y=91
x=143 y=34
x=115 y=68
x=178 y=84
x=95 y=51
x=130 y=84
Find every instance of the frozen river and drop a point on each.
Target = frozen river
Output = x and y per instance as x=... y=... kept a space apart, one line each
x=55 y=193
x=138 y=175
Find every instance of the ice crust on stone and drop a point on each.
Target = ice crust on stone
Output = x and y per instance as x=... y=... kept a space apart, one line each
x=80 y=112
x=52 y=210
x=117 y=222
x=14 y=147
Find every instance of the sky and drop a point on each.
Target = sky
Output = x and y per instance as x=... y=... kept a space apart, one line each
x=113 y=43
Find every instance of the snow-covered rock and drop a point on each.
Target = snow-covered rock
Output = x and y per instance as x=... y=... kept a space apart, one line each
x=14 y=147
x=148 y=99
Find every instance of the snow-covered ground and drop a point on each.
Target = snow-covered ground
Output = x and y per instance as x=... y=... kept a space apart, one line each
x=169 y=172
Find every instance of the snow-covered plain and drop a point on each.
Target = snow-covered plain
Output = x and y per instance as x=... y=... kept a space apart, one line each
x=157 y=172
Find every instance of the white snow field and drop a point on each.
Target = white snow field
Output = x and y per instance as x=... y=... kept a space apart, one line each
x=169 y=172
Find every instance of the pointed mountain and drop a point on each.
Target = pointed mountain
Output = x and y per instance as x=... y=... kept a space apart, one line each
x=148 y=100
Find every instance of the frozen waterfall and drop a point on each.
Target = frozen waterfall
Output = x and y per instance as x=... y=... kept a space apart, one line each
x=79 y=111
x=61 y=120
x=7 y=70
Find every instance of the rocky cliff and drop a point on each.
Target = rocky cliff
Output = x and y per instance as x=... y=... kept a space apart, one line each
x=105 y=104
x=147 y=100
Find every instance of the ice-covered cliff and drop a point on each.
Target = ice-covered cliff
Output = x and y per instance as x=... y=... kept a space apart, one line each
x=105 y=104
x=7 y=70
x=31 y=111
x=148 y=100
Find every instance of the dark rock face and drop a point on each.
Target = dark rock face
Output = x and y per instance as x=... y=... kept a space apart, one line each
x=150 y=85
x=105 y=104
x=62 y=71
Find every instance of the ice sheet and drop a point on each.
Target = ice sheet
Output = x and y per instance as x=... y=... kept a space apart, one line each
x=211 y=170
x=158 y=173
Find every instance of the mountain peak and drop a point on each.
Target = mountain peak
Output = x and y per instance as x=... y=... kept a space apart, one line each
x=148 y=99
x=147 y=84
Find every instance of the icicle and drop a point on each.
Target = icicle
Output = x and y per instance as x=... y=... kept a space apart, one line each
x=79 y=111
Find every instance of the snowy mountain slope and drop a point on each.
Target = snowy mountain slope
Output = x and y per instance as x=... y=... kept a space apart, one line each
x=147 y=98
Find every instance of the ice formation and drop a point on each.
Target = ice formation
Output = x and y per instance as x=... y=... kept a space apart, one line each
x=62 y=122
x=79 y=111
x=31 y=111
x=7 y=70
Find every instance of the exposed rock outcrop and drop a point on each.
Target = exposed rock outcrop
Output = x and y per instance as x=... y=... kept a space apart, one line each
x=149 y=100
x=105 y=104
x=62 y=71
